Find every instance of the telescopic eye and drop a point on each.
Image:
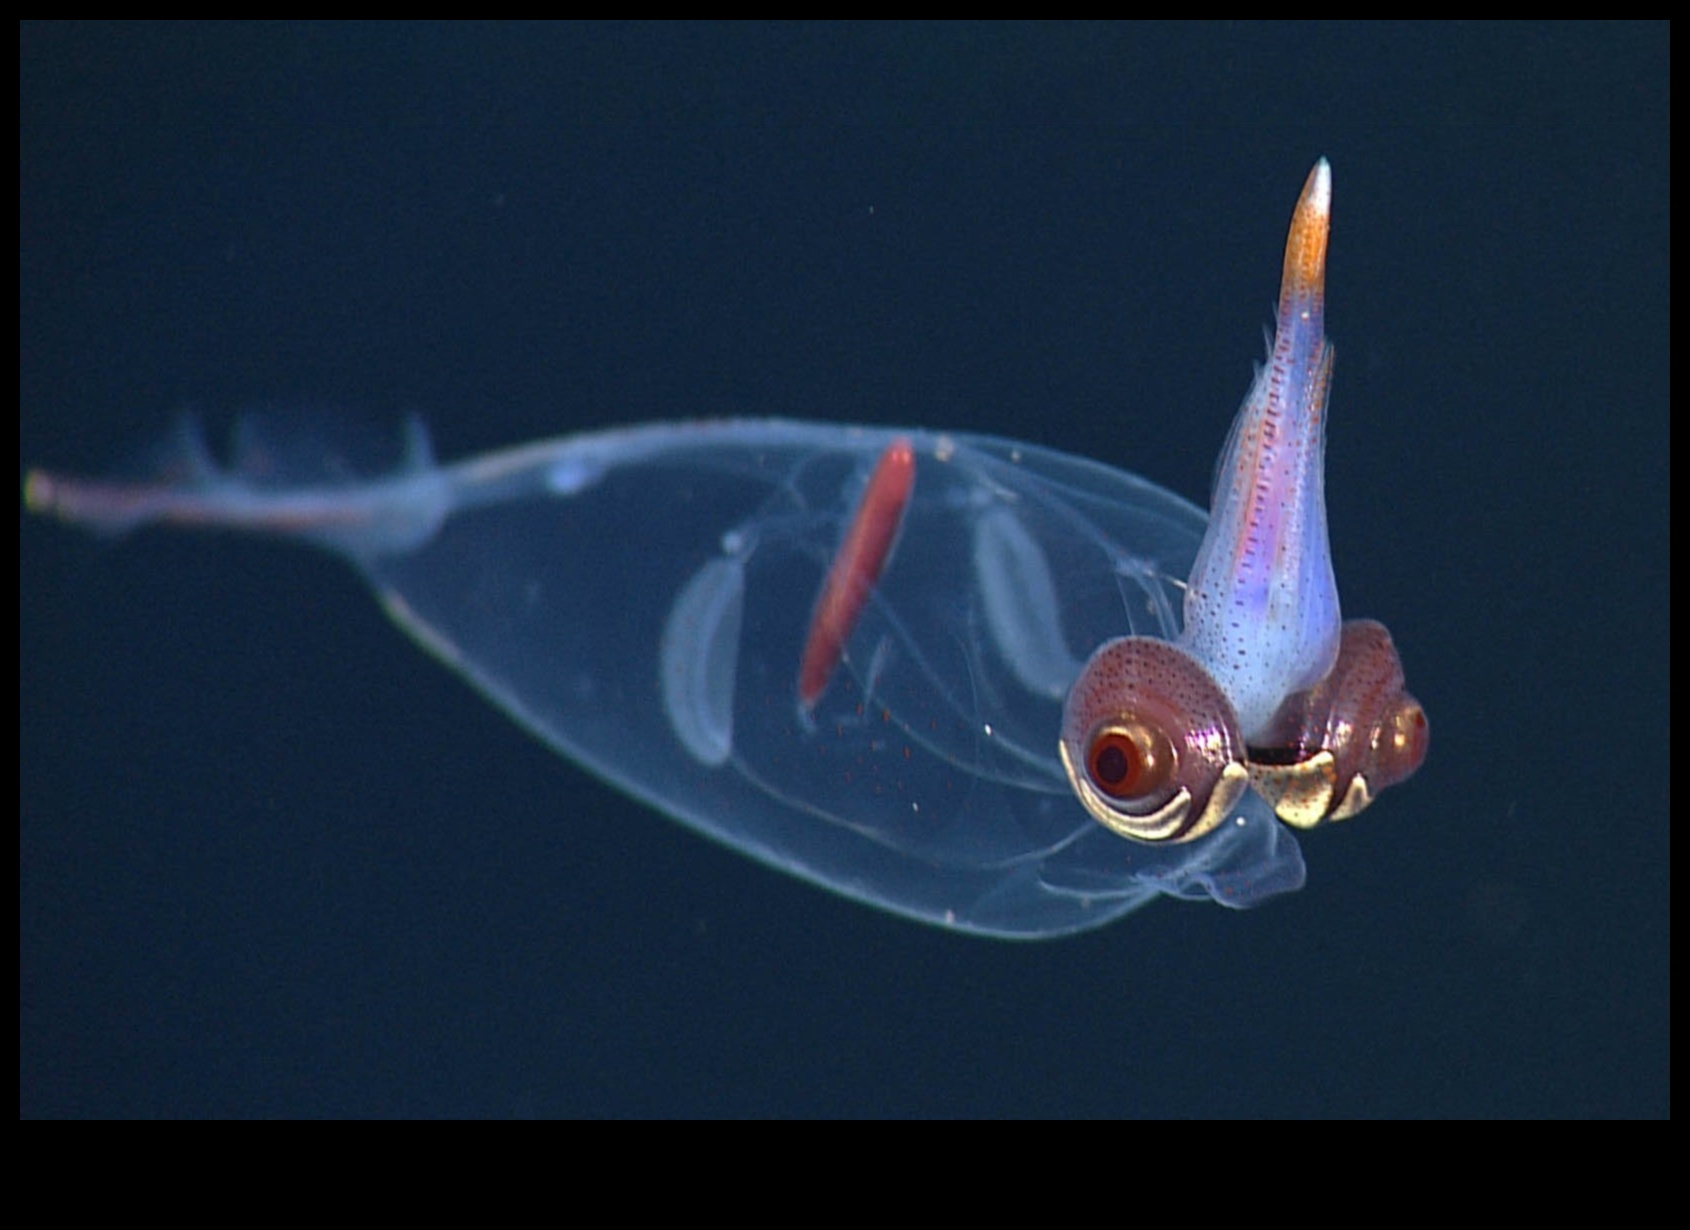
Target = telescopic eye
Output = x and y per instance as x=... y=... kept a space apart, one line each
x=1150 y=743
x=1329 y=751
x=1130 y=760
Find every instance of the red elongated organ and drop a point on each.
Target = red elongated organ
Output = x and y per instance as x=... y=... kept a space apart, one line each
x=856 y=568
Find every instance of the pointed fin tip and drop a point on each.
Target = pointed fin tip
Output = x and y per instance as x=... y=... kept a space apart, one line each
x=1305 y=246
x=1317 y=193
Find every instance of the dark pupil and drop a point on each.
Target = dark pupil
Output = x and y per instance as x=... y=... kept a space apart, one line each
x=1112 y=765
